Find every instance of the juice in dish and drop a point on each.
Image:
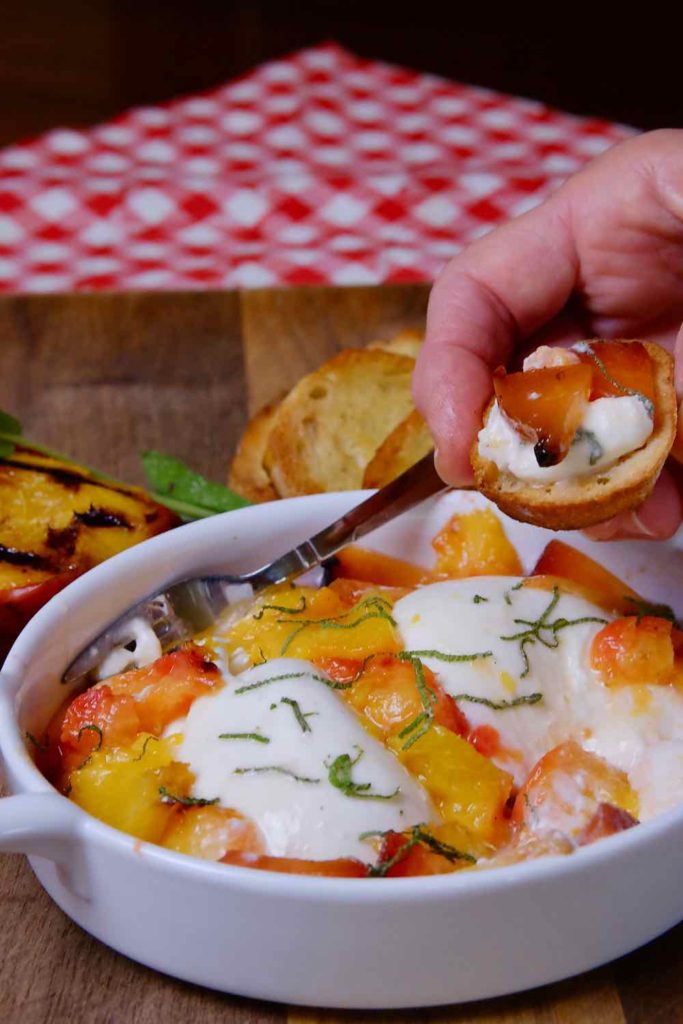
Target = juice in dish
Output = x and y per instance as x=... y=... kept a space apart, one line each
x=401 y=721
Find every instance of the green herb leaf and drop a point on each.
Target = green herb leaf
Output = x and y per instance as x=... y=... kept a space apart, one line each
x=442 y=656
x=499 y=705
x=255 y=736
x=422 y=722
x=274 y=768
x=596 y=451
x=659 y=611
x=478 y=599
x=9 y=424
x=281 y=608
x=150 y=739
x=544 y=632
x=35 y=743
x=92 y=728
x=186 y=801
x=418 y=835
x=377 y=609
x=248 y=687
x=185 y=491
x=339 y=775
x=298 y=713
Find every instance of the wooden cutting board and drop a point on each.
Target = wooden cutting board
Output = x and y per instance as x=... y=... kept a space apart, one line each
x=103 y=377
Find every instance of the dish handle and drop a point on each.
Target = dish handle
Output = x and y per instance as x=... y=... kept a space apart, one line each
x=45 y=825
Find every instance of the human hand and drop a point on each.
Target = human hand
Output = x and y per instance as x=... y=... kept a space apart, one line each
x=602 y=257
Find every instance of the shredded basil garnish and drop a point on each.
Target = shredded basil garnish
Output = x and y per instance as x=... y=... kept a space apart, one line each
x=298 y=713
x=144 y=747
x=499 y=705
x=659 y=611
x=278 y=769
x=478 y=599
x=330 y=683
x=281 y=608
x=585 y=347
x=442 y=656
x=92 y=728
x=508 y=593
x=186 y=801
x=534 y=632
x=596 y=451
x=339 y=774
x=34 y=742
x=416 y=729
x=378 y=610
x=256 y=736
x=418 y=836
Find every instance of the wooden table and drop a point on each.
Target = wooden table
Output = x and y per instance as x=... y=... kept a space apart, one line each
x=103 y=377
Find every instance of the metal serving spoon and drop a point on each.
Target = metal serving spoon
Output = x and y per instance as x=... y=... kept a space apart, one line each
x=190 y=606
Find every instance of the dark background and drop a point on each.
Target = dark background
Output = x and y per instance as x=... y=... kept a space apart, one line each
x=78 y=62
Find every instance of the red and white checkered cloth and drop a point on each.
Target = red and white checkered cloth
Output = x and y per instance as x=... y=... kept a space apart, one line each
x=318 y=168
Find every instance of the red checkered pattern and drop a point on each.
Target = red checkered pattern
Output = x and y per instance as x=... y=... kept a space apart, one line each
x=319 y=168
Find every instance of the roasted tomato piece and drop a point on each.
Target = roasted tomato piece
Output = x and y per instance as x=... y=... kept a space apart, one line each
x=474 y=544
x=634 y=650
x=546 y=406
x=565 y=789
x=165 y=690
x=343 y=867
x=97 y=718
x=592 y=580
x=373 y=567
x=211 y=832
x=386 y=692
x=619 y=368
x=606 y=821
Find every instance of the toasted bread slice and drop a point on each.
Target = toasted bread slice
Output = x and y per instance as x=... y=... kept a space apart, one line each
x=406 y=343
x=404 y=446
x=587 y=500
x=248 y=475
x=331 y=423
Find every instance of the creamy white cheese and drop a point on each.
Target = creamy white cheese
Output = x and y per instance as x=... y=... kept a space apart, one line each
x=265 y=780
x=638 y=729
x=147 y=649
x=611 y=428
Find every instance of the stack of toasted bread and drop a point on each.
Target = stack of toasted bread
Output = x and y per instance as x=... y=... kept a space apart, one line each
x=349 y=424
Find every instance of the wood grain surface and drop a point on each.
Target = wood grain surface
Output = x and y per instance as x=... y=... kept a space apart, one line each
x=103 y=377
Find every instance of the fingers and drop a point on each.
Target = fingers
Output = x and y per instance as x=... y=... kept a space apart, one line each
x=501 y=289
x=657 y=518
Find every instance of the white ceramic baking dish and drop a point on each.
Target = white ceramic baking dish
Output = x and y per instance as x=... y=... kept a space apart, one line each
x=318 y=941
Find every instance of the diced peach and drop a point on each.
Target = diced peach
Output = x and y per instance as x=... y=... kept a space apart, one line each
x=97 y=718
x=594 y=582
x=634 y=650
x=359 y=563
x=485 y=739
x=350 y=591
x=565 y=788
x=211 y=832
x=343 y=867
x=422 y=859
x=387 y=694
x=320 y=627
x=123 y=786
x=607 y=821
x=545 y=406
x=165 y=690
x=466 y=787
x=627 y=363
x=474 y=544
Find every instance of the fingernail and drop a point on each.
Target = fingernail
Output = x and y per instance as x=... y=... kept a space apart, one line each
x=639 y=527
